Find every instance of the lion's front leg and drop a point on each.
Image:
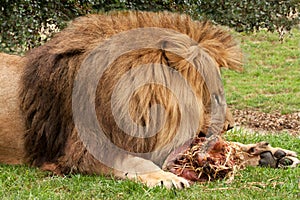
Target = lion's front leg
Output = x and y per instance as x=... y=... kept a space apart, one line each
x=121 y=165
x=145 y=171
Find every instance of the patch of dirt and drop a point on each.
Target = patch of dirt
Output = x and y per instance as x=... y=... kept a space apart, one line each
x=270 y=122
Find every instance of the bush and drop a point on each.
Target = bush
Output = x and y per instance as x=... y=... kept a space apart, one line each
x=24 y=23
x=251 y=15
x=29 y=23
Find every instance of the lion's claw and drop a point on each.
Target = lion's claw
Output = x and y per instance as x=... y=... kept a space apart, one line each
x=165 y=179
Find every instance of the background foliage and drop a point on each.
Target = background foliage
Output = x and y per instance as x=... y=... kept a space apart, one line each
x=28 y=23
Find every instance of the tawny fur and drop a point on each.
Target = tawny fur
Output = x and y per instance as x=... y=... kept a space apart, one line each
x=49 y=75
x=11 y=121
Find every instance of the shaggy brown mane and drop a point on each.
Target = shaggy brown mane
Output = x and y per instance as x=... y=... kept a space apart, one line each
x=46 y=93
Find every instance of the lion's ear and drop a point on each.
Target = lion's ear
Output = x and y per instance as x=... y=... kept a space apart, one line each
x=179 y=47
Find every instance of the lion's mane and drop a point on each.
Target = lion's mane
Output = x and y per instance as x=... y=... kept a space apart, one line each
x=47 y=83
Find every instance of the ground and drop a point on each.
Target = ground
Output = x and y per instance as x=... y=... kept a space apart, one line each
x=268 y=122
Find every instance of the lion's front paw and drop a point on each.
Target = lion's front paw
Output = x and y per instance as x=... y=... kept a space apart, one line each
x=162 y=178
x=269 y=156
x=278 y=158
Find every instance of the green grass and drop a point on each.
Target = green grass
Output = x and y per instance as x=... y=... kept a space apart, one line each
x=271 y=78
x=21 y=182
x=270 y=82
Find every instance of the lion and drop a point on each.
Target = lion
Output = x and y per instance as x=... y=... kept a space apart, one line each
x=55 y=128
x=52 y=138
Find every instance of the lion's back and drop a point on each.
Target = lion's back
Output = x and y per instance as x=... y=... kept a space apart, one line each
x=11 y=120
